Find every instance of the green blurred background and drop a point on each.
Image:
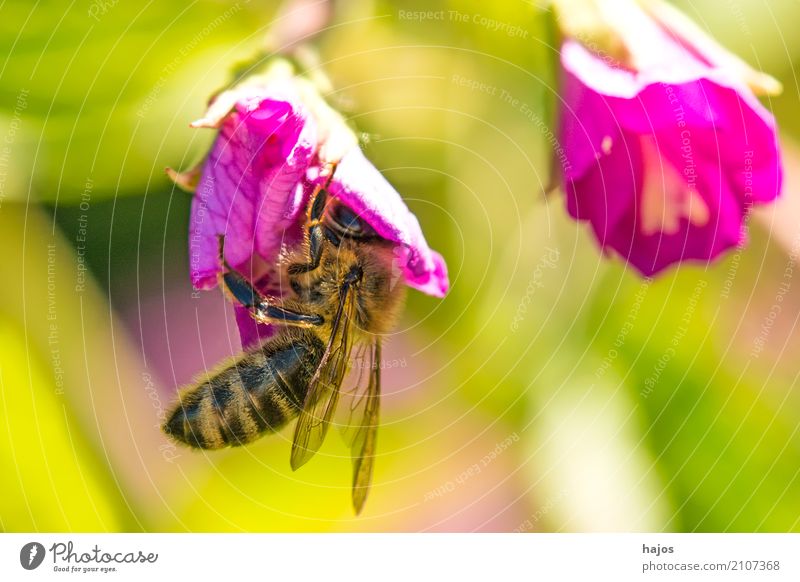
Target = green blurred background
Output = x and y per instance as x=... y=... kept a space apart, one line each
x=552 y=390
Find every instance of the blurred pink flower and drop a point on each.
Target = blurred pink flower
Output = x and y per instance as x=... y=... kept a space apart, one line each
x=276 y=139
x=667 y=151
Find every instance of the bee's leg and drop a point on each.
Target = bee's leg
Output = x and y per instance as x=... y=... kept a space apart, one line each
x=262 y=308
x=317 y=231
x=316 y=234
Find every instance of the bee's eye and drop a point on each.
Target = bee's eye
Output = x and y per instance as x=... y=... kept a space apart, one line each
x=348 y=223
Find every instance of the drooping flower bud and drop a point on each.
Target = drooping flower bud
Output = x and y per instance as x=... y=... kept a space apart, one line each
x=668 y=147
x=277 y=139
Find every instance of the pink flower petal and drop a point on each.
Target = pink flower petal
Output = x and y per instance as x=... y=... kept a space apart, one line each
x=250 y=190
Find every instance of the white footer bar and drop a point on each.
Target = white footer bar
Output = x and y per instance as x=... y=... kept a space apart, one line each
x=388 y=557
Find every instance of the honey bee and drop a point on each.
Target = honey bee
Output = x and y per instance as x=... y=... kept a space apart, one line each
x=343 y=296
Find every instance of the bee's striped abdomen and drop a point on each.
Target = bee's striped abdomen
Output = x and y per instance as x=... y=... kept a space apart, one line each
x=258 y=393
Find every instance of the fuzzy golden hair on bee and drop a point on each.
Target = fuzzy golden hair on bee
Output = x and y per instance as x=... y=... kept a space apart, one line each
x=380 y=294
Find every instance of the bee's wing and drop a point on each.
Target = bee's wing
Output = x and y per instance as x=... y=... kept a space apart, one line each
x=323 y=389
x=361 y=426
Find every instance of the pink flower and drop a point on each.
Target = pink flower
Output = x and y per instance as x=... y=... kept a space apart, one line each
x=666 y=152
x=276 y=138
